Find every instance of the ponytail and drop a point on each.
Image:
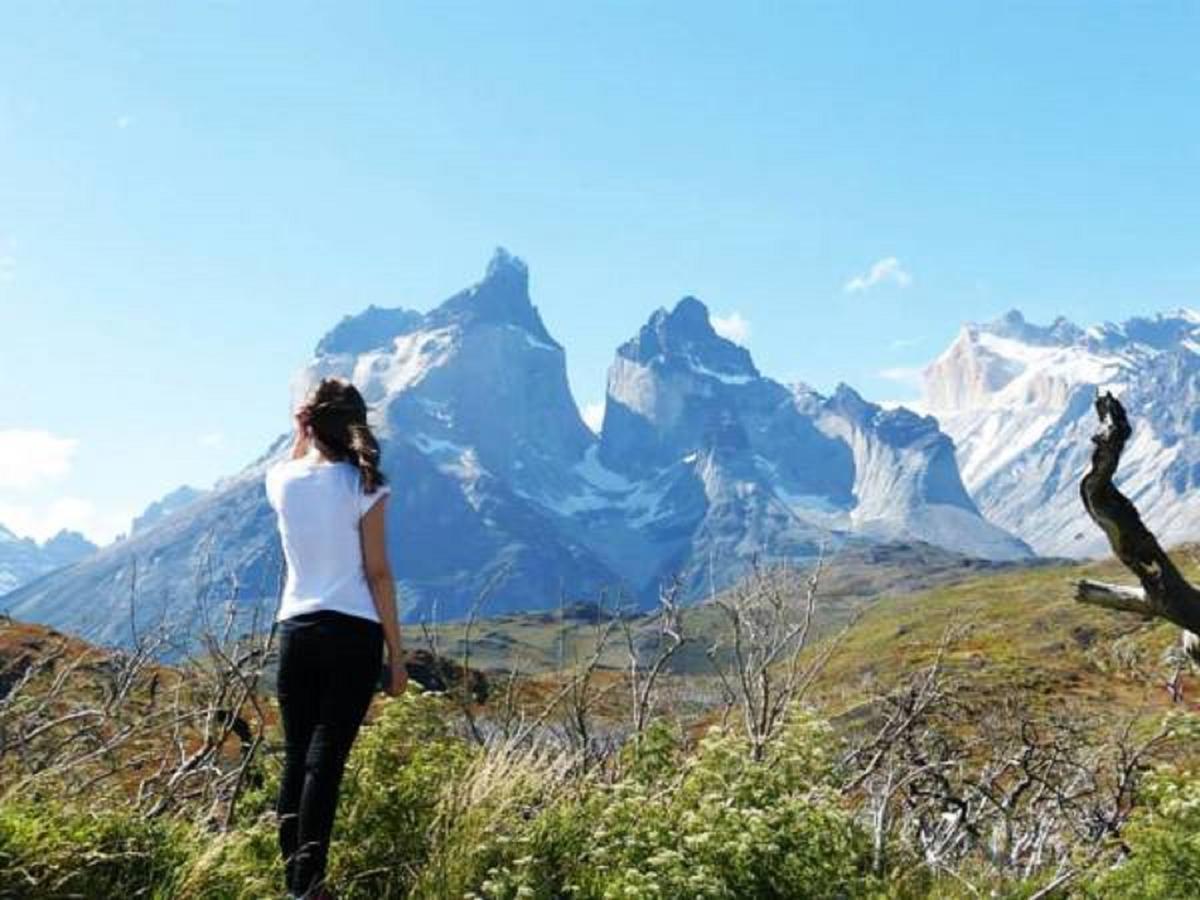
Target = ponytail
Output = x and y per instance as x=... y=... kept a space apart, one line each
x=337 y=415
x=364 y=450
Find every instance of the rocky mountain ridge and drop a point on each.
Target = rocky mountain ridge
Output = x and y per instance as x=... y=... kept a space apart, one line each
x=702 y=464
x=23 y=560
x=1017 y=400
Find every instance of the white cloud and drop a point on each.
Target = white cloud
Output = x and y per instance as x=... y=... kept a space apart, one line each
x=903 y=374
x=733 y=327
x=29 y=456
x=124 y=122
x=883 y=271
x=904 y=343
x=593 y=416
x=8 y=268
x=212 y=439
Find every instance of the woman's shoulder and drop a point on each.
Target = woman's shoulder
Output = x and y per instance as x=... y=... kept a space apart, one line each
x=280 y=468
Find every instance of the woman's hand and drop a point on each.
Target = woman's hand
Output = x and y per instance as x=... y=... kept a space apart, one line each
x=303 y=438
x=398 y=681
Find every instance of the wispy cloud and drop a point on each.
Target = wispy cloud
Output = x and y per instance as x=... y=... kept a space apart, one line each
x=910 y=375
x=904 y=343
x=885 y=271
x=212 y=439
x=124 y=122
x=30 y=456
x=734 y=327
x=593 y=416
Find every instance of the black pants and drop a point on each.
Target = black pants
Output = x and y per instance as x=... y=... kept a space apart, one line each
x=329 y=663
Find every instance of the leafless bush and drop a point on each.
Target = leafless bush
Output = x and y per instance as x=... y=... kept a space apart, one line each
x=973 y=784
x=762 y=664
x=116 y=725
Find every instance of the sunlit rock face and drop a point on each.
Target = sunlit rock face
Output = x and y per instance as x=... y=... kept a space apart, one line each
x=1017 y=400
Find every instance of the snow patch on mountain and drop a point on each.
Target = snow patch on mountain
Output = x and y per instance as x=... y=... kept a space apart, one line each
x=1017 y=400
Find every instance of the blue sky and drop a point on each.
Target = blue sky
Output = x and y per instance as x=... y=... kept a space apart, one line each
x=191 y=194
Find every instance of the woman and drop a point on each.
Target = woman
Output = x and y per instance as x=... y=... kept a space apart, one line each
x=338 y=610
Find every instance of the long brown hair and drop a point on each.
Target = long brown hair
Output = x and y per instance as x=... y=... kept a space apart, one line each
x=337 y=414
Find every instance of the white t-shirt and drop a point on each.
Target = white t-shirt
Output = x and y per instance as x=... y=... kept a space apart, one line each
x=318 y=505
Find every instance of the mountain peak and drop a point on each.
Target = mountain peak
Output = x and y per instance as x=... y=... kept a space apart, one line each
x=1014 y=326
x=851 y=404
x=500 y=298
x=685 y=335
x=691 y=315
x=69 y=545
x=504 y=266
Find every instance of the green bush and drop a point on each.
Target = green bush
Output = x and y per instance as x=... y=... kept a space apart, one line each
x=428 y=816
x=242 y=864
x=718 y=825
x=51 y=851
x=399 y=768
x=398 y=771
x=1164 y=844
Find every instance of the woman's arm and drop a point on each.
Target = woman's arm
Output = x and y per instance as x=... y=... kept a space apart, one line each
x=383 y=590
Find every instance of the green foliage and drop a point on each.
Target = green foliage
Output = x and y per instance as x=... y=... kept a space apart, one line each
x=717 y=826
x=1164 y=843
x=242 y=864
x=399 y=769
x=51 y=851
x=426 y=815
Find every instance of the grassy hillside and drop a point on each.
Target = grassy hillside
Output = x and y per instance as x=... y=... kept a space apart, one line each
x=687 y=811
x=853 y=579
x=1018 y=632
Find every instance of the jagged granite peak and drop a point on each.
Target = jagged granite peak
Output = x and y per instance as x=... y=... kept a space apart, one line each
x=1014 y=325
x=850 y=403
x=23 y=560
x=836 y=465
x=1019 y=409
x=372 y=329
x=502 y=297
x=67 y=547
x=668 y=384
x=684 y=337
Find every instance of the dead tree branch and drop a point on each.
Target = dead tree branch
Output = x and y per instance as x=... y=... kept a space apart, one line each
x=1165 y=593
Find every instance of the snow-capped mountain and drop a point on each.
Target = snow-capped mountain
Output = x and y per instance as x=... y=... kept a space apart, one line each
x=729 y=463
x=500 y=488
x=1017 y=400
x=22 y=559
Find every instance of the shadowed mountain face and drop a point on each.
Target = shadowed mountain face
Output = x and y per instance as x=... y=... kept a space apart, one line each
x=1017 y=399
x=500 y=488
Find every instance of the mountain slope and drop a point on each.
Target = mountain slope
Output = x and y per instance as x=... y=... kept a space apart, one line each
x=1017 y=399
x=474 y=415
x=501 y=490
x=782 y=470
